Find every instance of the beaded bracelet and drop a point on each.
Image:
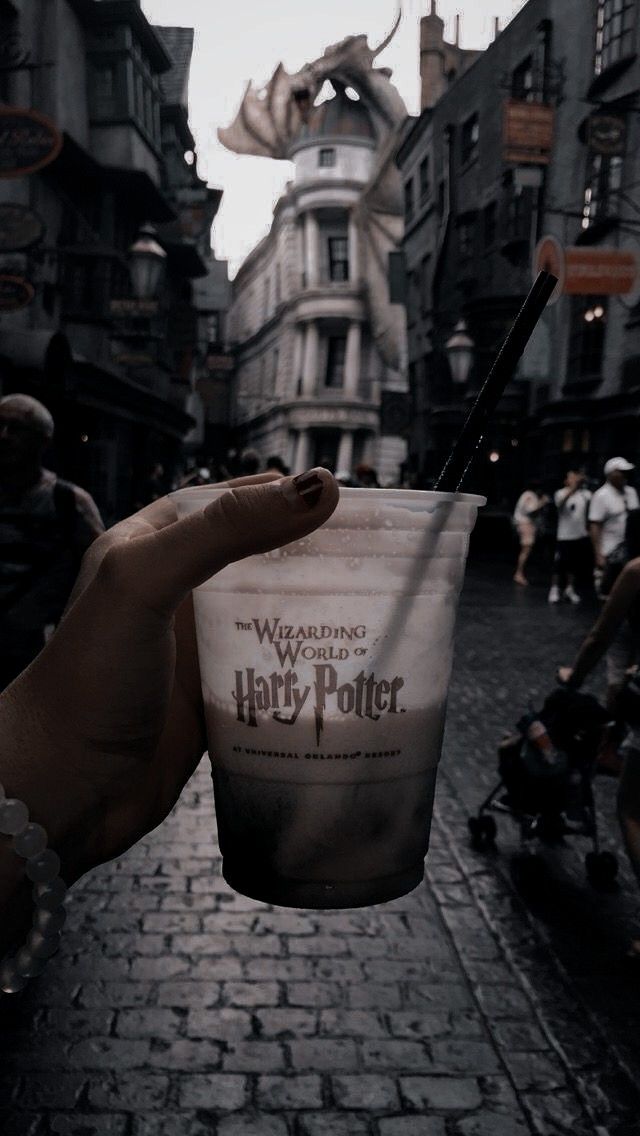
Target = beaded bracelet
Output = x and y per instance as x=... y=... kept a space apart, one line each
x=49 y=891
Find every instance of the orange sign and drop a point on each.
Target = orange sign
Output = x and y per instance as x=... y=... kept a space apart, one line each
x=28 y=141
x=527 y=132
x=588 y=271
x=15 y=293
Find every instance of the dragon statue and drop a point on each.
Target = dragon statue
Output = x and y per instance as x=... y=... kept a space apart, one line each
x=269 y=121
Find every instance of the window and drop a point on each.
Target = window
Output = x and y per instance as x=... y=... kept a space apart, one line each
x=425 y=185
x=604 y=179
x=441 y=198
x=615 y=26
x=469 y=139
x=278 y=284
x=489 y=225
x=336 y=353
x=327 y=157
x=519 y=214
x=408 y=200
x=587 y=336
x=338 y=258
x=522 y=81
x=213 y=328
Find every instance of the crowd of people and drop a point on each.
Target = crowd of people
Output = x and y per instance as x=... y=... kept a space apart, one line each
x=88 y=715
x=587 y=528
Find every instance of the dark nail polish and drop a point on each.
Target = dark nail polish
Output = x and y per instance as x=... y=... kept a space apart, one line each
x=308 y=486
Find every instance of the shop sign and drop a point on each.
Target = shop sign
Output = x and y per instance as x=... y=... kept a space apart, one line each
x=28 y=141
x=607 y=134
x=15 y=293
x=20 y=227
x=586 y=270
x=527 y=132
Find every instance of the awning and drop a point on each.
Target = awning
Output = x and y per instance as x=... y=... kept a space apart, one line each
x=140 y=190
x=75 y=164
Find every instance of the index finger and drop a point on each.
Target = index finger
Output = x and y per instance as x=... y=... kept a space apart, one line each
x=163 y=511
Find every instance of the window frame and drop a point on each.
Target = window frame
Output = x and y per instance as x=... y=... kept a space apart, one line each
x=615 y=33
x=470 y=139
x=334 y=371
x=326 y=157
x=338 y=275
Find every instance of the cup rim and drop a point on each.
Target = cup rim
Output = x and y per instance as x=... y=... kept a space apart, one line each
x=427 y=496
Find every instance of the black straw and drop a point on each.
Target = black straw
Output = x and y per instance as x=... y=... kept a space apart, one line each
x=466 y=447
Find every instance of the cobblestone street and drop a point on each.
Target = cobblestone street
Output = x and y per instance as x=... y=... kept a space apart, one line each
x=479 y=1005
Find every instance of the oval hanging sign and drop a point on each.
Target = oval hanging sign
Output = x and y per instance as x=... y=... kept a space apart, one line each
x=15 y=293
x=20 y=228
x=28 y=141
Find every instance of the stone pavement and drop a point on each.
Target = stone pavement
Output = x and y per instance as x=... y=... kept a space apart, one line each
x=476 y=1006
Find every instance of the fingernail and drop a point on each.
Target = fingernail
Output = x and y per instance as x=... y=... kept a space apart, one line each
x=304 y=490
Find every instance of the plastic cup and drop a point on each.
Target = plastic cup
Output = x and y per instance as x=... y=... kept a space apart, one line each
x=325 y=668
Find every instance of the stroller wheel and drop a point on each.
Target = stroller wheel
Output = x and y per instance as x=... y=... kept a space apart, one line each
x=483 y=831
x=601 y=868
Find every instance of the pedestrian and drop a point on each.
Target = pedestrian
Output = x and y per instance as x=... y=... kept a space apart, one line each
x=100 y=735
x=607 y=519
x=529 y=505
x=249 y=463
x=617 y=632
x=275 y=464
x=367 y=476
x=46 y=525
x=573 y=548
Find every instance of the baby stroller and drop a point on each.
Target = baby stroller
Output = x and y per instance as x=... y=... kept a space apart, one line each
x=546 y=771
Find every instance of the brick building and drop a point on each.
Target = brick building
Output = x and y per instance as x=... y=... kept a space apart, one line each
x=536 y=136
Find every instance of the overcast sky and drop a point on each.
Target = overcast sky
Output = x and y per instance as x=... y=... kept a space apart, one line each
x=238 y=40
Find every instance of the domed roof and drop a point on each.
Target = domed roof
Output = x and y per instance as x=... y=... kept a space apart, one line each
x=338 y=117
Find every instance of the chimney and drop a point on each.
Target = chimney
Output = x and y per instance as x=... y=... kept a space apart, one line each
x=496 y=27
x=457 y=35
x=433 y=81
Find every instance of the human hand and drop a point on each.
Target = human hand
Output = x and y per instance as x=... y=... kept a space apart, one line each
x=102 y=732
x=564 y=675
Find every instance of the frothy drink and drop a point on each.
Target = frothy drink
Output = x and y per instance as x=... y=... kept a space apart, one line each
x=325 y=667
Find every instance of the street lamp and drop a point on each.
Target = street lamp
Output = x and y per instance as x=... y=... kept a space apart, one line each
x=146 y=264
x=459 y=348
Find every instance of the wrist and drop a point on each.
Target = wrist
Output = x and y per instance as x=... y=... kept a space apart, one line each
x=32 y=766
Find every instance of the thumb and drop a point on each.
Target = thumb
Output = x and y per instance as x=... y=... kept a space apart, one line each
x=161 y=568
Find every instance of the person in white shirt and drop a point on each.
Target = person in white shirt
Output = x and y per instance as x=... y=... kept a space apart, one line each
x=572 y=540
x=608 y=511
x=528 y=506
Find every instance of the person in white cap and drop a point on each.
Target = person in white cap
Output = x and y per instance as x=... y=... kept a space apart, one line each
x=608 y=513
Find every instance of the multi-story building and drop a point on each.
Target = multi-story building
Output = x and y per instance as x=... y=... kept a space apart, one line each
x=112 y=354
x=536 y=136
x=309 y=319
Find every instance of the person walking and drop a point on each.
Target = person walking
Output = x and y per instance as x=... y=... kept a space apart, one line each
x=607 y=520
x=529 y=505
x=617 y=632
x=572 y=551
x=46 y=525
